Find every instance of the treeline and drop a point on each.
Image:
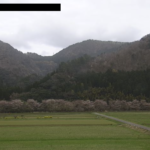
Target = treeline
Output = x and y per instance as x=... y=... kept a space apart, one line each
x=72 y=81
x=26 y=85
x=51 y=105
x=112 y=84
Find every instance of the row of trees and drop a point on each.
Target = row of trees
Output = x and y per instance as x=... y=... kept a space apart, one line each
x=51 y=105
x=109 y=85
x=72 y=80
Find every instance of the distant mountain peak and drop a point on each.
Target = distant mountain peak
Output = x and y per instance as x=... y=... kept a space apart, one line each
x=90 y=47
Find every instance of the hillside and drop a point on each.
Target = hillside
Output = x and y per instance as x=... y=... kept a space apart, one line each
x=133 y=57
x=122 y=74
x=88 y=47
x=69 y=82
x=118 y=73
x=15 y=65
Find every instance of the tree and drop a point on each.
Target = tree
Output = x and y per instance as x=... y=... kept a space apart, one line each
x=100 y=105
x=32 y=105
x=17 y=105
x=4 y=106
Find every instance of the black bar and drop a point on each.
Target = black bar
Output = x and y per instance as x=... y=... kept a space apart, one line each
x=30 y=7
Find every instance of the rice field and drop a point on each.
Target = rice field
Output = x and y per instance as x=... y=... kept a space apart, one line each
x=68 y=131
x=142 y=118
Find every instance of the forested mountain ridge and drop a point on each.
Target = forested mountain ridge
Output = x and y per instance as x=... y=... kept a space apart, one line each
x=68 y=83
x=89 y=47
x=15 y=65
x=119 y=73
x=122 y=74
x=134 y=56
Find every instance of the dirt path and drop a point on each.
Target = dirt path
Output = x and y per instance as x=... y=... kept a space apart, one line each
x=126 y=122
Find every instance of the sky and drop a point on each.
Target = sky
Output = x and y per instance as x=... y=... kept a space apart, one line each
x=47 y=33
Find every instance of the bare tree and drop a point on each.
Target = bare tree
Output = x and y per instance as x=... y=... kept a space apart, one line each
x=134 y=105
x=63 y=105
x=17 y=105
x=88 y=105
x=32 y=105
x=4 y=106
x=100 y=105
x=78 y=105
x=144 y=105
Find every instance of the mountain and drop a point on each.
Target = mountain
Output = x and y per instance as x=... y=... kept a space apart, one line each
x=15 y=65
x=135 y=56
x=17 y=68
x=88 y=47
x=109 y=55
x=121 y=74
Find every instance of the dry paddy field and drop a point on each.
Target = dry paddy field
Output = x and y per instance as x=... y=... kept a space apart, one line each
x=73 y=131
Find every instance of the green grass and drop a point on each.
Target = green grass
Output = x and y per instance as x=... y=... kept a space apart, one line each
x=142 y=118
x=54 y=115
x=69 y=131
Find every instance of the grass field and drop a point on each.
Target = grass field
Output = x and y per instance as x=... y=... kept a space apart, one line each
x=142 y=118
x=68 y=131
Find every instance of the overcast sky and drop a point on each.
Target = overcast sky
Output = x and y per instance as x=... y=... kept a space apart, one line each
x=46 y=33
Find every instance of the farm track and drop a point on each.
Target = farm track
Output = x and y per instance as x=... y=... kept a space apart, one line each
x=123 y=121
